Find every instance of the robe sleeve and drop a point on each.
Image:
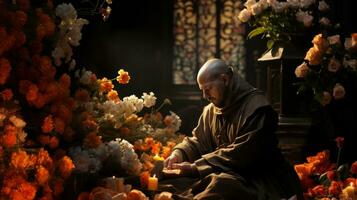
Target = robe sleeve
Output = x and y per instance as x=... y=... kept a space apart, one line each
x=200 y=143
x=251 y=149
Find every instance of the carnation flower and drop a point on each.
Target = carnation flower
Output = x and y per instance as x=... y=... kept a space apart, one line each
x=149 y=99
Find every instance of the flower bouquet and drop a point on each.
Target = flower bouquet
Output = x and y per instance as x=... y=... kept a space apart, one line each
x=281 y=21
x=323 y=180
x=329 y=68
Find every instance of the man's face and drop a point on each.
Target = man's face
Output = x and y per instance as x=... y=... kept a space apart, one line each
x=214 y=91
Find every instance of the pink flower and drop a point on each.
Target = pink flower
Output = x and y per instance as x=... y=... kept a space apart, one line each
x=334 y=65
x=338 y=91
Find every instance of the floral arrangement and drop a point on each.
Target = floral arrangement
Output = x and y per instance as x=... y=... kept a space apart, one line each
x=329 y=68
x=280 y=21
x=54 y=122
x=323 y=180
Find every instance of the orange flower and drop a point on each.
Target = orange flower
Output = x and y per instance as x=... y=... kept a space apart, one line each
x=334 y=189
x=32 y=93
x=9 y=138
x=123 y=77
x=44 y=159
x=136 y=195
x=166 y=151
x=42 y=175
x=65 y=81
x=66 y=166
x=7 y=94
x=5 y=69
x=331 y=175
x=125 y=131
x=92 y=140
x=155 y=148
x=47 y=125
x=144 y=178
x=82 y=95
x=105 y=85
x=64 y=113
x=319 y=190
x=314 y=56
x=354 y=168
x=113 y=95
x=25 y=191
x=59 y=125
x=54 y=142
x=18 y=19
x=320 y=42
x=20 y=160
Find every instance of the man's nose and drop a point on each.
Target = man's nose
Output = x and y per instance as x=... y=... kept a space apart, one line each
x=204 y=94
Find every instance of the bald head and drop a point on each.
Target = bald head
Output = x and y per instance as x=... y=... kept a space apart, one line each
x=211 y=70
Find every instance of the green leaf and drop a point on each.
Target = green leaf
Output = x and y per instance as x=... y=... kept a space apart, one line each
x=324 y=180
x=343 y=171
x=255 y=32
x=270 y=44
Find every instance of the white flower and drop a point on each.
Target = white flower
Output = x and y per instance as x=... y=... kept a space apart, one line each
x=149 y=99
x=86 y=77
x=69 y=33
x=323 y=6
x=244 y=15
x=335 y=39
x=256 y=9
x=138 y=103
x=86 y=160
x=325 y=21
x=248 y=4
x=305 y=18
x=66 y=11
x=348 y=43
x=338 y=91
x=280 y=6
x=173 y=121
x=264 y=4
x=351 y=63
x=306 y=3
x=293 y=3
x=18 y=123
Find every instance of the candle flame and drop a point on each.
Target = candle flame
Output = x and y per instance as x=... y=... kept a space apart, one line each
x=154 y=176
x=113 y=177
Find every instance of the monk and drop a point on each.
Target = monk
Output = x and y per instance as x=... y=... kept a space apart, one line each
x=233 y=153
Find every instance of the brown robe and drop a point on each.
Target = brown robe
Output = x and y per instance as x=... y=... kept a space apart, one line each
x=235 y=150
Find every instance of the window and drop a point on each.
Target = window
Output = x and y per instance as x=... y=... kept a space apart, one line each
x=206 y=29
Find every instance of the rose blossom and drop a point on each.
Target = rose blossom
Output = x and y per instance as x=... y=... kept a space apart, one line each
x=326 y=98
x=244 y=15
x=335 y=39
x=305 y=18
x=351 y=63
x=325 y=21
x=338 y=91
x=256 y=9
x=320 y=42
x=323 y=6
x=301 y=70
x=249 y=4
x=334 y=65
x=314 y=56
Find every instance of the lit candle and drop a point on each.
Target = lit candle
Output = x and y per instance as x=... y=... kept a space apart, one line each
x=158 y=158
x=153 y=183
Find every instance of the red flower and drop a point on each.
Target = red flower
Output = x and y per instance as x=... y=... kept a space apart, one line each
x=319 y=190
x=339 y=142
x=331 y=175
x=354 y=168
